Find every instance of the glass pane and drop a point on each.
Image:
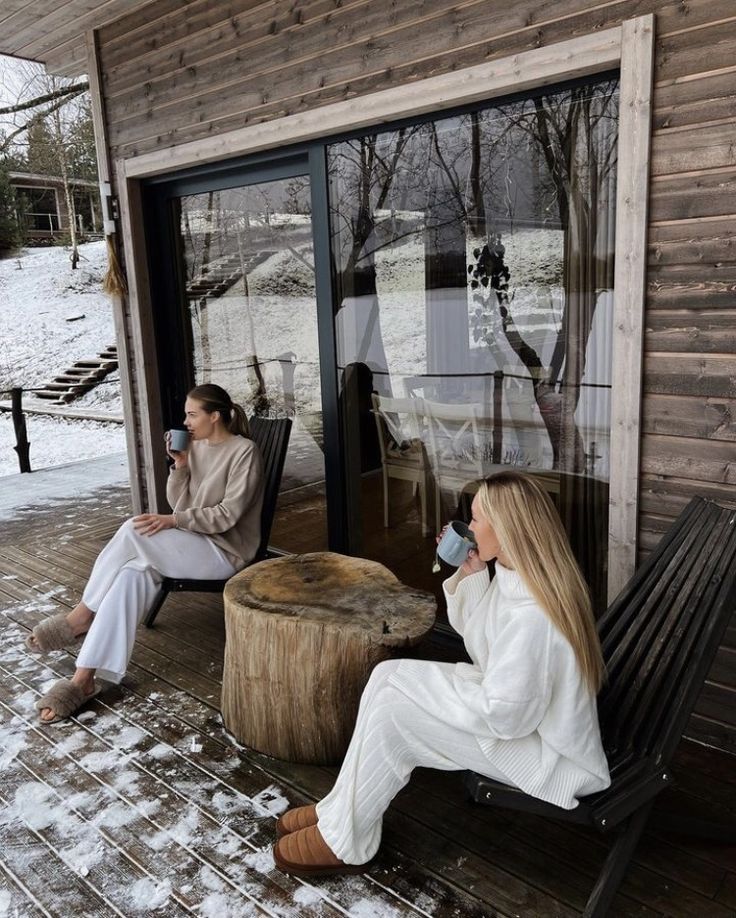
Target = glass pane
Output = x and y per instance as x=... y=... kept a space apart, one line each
x=474 y=272
x=250 y=294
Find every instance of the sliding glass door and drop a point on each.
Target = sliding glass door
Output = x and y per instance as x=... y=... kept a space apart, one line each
x=245 y=305
x=473 y=262
x=431 y=302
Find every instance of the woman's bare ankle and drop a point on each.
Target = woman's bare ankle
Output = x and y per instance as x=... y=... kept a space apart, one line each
x=79 y=619
x=85 y=679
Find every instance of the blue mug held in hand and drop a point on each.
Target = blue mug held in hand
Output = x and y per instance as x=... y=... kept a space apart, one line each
x=178 y=440
x=455 y=544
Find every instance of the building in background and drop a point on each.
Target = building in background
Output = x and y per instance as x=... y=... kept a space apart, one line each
x=43 y=214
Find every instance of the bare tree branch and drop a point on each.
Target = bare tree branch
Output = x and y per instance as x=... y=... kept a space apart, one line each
x=6 y=141
x=74 y=90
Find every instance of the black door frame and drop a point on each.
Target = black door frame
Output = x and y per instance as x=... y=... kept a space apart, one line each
x=173 y=344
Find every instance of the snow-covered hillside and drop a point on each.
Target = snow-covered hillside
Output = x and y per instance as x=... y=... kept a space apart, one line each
x=39 y=295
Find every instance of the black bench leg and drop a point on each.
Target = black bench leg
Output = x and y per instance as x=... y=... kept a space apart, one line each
x=156 y=607
x=612 y=872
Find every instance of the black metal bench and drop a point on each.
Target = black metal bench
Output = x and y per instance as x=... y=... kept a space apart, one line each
x=659 y=639
x=272 y=438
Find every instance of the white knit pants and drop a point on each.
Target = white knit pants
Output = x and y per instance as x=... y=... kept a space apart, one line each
x=125 y=581
x=392 y=736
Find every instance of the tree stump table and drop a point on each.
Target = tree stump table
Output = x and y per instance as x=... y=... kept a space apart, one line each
x=303 y=634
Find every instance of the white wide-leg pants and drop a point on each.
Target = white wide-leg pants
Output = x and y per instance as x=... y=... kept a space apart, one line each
x=392 y=736
x=125 y=581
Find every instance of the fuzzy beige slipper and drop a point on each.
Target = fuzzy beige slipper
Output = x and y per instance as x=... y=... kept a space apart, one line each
x=306 y=854
x=301 y=817
x=64 y=698
x=51 y=634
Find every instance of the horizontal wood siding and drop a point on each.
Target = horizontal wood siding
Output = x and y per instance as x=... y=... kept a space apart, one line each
x=173 y=73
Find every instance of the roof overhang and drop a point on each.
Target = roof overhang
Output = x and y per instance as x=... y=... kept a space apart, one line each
x=54 y=33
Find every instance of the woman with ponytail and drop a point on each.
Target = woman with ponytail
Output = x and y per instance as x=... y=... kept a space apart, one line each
x=522 y=712
x=215 y=489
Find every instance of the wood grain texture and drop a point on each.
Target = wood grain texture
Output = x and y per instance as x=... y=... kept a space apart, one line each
x=258 y=62
x=637 y=56
x=303 y=634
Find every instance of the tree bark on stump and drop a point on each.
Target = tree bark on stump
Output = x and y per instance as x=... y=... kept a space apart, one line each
x=303 y=634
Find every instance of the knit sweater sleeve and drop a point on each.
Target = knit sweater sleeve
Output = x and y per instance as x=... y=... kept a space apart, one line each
x=176 y=484
x=464 y=593
x=513 y=693
x=242 y=489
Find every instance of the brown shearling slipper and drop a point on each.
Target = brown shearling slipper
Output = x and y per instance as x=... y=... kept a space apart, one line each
x=305 y=853
x=52 y=633
x=300 y=817
x=64 y=698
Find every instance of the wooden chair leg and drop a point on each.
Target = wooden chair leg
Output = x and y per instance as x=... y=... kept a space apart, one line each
x=423 y=506
x=385 y=498
x=614 y=868
x=156 y=607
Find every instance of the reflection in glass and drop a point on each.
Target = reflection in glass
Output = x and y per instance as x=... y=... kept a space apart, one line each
x=248 y=261
x=474 y=269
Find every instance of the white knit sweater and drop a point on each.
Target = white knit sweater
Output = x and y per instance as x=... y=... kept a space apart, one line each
x=523 y=695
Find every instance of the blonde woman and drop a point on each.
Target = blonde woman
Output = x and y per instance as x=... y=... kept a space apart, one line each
x=522 y=712
x=215 y=488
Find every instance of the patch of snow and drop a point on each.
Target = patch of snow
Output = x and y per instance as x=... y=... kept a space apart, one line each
x=38 y=291
x=308 y=895
x=104 y=760
x=218 y=905
x=160 y=751
x=228 y=801
x=147 y=896
x=23 y=496
x=370 y=908
x=33 y=805
x=82 y=856
x=5 y=902
x=115 y=816
x=272 y=800
x=188 y=827
x=260 y=860
x=56 y=441
x=127 y=737
x=70 y=744
x=11 y=743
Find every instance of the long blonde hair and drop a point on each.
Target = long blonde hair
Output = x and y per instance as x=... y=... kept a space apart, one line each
x=529 y=529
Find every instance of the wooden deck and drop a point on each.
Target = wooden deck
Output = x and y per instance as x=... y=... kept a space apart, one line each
x=143 y=805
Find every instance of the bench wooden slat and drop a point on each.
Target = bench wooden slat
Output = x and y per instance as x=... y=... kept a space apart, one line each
x=659 y=639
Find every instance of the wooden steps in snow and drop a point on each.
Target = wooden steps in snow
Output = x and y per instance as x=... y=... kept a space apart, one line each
x=217 y=277
x=84 y=375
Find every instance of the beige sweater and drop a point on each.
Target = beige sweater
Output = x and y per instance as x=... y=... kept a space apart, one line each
x=220 y=494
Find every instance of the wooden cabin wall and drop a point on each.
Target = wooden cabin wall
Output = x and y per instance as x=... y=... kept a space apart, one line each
x=176 y=72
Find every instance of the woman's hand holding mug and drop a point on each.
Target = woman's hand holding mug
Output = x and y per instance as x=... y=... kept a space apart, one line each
x=459 y=548
x=175 y=448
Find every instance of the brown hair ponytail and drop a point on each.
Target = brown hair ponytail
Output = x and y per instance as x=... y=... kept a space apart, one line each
x=215 y=398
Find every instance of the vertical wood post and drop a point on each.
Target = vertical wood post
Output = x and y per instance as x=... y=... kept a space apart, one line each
x=497 y=416
x=22 y=446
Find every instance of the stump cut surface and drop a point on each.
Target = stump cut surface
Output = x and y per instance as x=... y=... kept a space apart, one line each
x=303 y=634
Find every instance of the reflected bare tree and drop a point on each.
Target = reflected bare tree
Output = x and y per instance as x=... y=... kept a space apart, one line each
x=575 y=133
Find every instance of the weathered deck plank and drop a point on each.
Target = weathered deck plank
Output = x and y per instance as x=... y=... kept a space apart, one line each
x=179 y=814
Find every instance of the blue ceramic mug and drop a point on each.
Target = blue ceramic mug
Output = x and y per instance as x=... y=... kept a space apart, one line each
x=455 y=544
x=178 y=440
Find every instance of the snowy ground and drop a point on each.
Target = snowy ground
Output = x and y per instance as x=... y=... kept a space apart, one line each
x=39 y=293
